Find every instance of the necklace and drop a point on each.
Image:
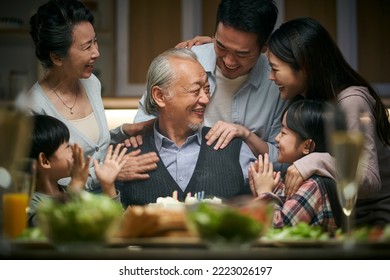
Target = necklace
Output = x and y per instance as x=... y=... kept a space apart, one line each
x=54 y=89
x=62 y=101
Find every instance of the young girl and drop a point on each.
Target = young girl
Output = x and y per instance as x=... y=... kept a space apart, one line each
x=57 y=159
x=315 y=202
x=307 y=63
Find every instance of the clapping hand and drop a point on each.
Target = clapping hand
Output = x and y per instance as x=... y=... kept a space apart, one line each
x=110 y=167
x=79 y=170
x=262 y=177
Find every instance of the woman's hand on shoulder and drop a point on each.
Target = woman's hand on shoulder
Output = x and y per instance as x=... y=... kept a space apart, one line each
x=293 y=180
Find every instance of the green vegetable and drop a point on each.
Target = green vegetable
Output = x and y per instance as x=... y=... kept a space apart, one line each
x=33 y=233
x=298 y=232
x=221 y=223
x=82 y=217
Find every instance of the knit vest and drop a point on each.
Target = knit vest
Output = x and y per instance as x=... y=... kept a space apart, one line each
x=217 y=173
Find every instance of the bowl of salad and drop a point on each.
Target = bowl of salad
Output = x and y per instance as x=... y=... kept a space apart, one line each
x=79 y=219
x=236 y=223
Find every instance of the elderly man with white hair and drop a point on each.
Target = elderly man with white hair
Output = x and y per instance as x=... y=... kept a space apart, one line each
x=178 y=91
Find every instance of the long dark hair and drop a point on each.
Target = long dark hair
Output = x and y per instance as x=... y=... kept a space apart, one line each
x=306 y=45
x=52 y=27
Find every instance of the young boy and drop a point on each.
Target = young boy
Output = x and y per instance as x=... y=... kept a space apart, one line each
x=315 y=202
x=56 y=159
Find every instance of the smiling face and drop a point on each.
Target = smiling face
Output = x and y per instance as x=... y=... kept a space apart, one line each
x=83 y=52
x=291 y=83
x=291 y=146
x=61 y=161
x=237 y=51
x=185 y=102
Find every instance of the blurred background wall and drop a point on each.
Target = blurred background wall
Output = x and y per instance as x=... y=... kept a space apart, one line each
x=132 y=32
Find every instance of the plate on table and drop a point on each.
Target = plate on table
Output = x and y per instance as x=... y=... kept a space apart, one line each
x=321 y=243
x=47 y=245
x=309 y=243
x=31 y=244
x=172 y=242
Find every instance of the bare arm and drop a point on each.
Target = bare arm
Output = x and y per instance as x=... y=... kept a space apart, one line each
x=222 y=133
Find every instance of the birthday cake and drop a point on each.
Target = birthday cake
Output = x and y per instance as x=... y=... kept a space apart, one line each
x=172 y=202
x=165 y=217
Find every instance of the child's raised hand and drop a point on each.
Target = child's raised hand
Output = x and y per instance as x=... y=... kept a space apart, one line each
x=262 y=177
x=79 y=170
x=109 y=169
x=252 y=170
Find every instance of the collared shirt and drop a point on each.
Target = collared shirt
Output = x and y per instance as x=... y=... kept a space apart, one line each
x=308 y=205
x=181 y=161
x=256 y=105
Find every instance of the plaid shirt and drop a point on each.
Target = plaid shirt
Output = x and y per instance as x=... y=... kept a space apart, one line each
x=309 y=204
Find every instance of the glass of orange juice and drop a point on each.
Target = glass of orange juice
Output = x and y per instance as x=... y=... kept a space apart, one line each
x=16 y=199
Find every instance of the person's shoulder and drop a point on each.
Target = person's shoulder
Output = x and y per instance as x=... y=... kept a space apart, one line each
x=355 y=96
x=203 y=48
x=35 y=90
x=354 y=90
x=32 y=100
x=259 y=76
x=319 y=180
x=92 y=85
x=206 y=56
x=262 y=64
x=92 y=79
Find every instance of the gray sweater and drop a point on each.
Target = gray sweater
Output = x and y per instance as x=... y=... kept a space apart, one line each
x=217 y=173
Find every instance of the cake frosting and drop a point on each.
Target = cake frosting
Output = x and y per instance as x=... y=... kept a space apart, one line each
x=173 y=202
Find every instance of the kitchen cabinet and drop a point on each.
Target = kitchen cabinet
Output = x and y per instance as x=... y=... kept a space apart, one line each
x=20 y=69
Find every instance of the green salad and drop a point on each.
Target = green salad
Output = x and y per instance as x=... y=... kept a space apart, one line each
x=304 y=231
x=82 y=217
x=301 y=231
x=218 y=223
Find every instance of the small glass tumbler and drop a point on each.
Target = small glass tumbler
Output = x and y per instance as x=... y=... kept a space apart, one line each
x=17 y=198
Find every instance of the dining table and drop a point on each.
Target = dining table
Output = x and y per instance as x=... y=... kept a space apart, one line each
x=195 y=249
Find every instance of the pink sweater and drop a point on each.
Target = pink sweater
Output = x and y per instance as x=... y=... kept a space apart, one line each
x=376 y=177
